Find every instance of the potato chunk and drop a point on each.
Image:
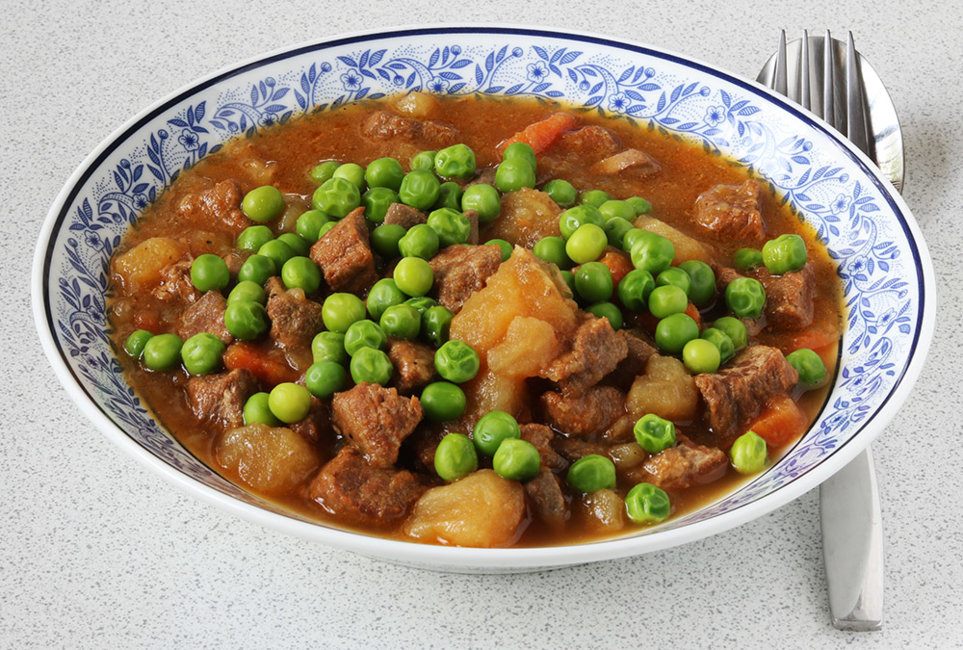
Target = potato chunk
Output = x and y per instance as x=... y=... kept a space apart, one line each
x=272 y=460
x=140 y=268
x=666 y=389
x=528 y=348
x=603 y=511
x=481 y=510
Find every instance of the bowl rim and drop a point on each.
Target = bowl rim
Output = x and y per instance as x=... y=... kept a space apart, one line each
x=445 y=557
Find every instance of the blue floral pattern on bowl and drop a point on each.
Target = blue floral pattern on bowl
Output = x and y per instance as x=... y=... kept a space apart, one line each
x=863 y=226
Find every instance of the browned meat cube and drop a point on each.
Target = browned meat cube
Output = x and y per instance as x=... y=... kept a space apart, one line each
x=344 y=255
x=596 y=351
x=375 y=420
x=461 y=271
x=591 y=412
x=383 y=125
x=220 y=398
x=404 y=215
x=220 y=202
x=731 y=212
x=295 y=319
x=735 y=395
x=205 y=315
x=685 y=465
x=631 y=161
x=472 y=216
x=348 y=486
x=175 y=283
x=541 y=437
x=571 y=448
x=789 y=297
x=414 y=364
x=639 y=348
x=420 y=446
x=316 y=424
x=587 y=145
x=525 y=216
x=546 y=499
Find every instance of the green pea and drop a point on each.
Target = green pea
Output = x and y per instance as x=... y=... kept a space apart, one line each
x=702 y=281
x=640 y=205
x=721 y=340
x=419 y=189
x=385 y=238
x=323 y=171
x=421 y=240
x=364 y=334
x=745 y=297
x=516 y=460
x=735 y=329
x=162 y=351
x=607 y=310
x=309 y=224
x=615 y=209
x=674 y=331
x=455 y=457
x=278 y=251
x=263 y=204
x=635 y=288
x=384 y=172
x=591 y=473
x=586 y=244
x=253 y=237
x=569 y=278
x=451 y=226
x=654 y=433
x=483 y=199
x=674 y=276
x=325 y=378
x=632 y=237
x=615 y=230
x=748 y=453
x=593 y=282
x=376 y=202
x=340 y=310
x=336 y=197
x=746 y=258
x=435 y=324
x=257 y=269
x=700 y=355
x=295 y=242
x=246 y=319
x=325 y=228
x=503 y=246
x=667 y=300
x=512 y=175
x=647 y=504
x=329 y=346
x=456 y=361
x=289 y=402
x=492 y=429
x=209 y=273
x=456 y=161
x=401 y=321
x=561 y=191
x=552 y=249
x=424 y=161
x=652 y=252
x=301 y=272
x=372 y=366
x=809 y=365
x=570 y=220
x=422 y=303
x=257 y=411
x=351 y=172
x=594 y=198
x=382 y=295
x=442 y=401
x=783 y=254
x=134 y=345
x=520 y=151
x=202 y=353
x=414 y=276
x=449 y=196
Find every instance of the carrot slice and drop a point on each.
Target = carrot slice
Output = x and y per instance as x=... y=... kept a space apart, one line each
x=542 y=134
x=266 y=368
x=692 y=311
x=618 y=264
x=815 y=338
x=780 y=422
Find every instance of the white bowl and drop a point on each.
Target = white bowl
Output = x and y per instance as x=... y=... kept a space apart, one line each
x=882 y=259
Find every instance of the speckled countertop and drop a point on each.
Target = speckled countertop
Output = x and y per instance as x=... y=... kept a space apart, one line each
x=96 y=552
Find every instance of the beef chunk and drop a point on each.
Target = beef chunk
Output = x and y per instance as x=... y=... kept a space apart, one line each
x=316 y=424
x=348 y=486
x=462 y=270
x=218 y=202
x=546 y=500
x=472 y=216
x=735 y=395
x=414 y=364
x=541 y=437
x=731 y=212
x=205 y=315
x=175 y=284
x=344 y=255
x=295 y=319
x=591 y=412
x=383 y=125
x=404 y=215
x=639 y=348
x=631 y=161
x=596 y=350
x=588 y=144
x=685 y=465
x=419 y=448
x=571 y=449
x=220 y=398
x=789 y=297
x=375 y=420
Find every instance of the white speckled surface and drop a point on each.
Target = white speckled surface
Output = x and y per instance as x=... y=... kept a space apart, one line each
x=95 y=552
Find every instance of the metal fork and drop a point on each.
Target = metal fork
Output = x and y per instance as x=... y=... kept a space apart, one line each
x=849 y=501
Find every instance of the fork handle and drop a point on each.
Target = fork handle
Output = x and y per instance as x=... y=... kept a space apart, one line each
x=852 y=531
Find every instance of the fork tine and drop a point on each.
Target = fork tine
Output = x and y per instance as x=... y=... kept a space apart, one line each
x=856 y=121
x=829 y=80
x=780 y=75
x=804 y=82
